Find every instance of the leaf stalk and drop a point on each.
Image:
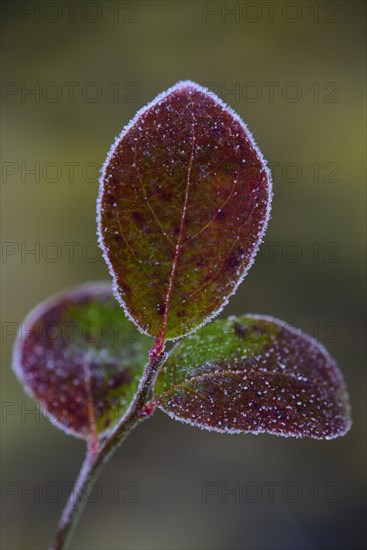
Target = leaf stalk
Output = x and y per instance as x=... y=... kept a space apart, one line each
x=96 y=459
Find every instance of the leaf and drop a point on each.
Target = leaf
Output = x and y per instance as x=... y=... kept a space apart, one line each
x=80 y=358
x=254 y=374
x=184 y=202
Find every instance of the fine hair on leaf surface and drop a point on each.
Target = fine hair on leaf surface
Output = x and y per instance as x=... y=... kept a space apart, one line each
x=254 y=374
x=183 y=205
x=80 y=358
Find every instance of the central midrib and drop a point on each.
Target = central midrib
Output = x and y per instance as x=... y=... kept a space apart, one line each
x=178 y=243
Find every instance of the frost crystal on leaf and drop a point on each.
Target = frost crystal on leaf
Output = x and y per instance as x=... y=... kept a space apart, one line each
x=254 y=374
x=183 y=205
x=81 y=359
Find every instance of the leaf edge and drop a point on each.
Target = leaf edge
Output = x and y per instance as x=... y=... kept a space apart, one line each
x=161 y=96
x=30 y=318
x=234 y=431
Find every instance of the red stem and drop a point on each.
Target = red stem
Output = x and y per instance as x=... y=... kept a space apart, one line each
x=95 y=459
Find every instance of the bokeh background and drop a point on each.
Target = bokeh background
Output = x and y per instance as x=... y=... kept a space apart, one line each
x=91 y=66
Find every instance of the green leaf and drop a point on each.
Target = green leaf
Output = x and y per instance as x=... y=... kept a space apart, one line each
x=254 y=374
x=80 y=358
x=184 y=202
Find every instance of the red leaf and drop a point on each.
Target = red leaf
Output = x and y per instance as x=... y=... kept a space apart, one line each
x=81 y=359
x=184 y=202
x=254 y=374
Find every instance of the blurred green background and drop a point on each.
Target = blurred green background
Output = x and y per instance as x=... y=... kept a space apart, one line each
x=91 y=65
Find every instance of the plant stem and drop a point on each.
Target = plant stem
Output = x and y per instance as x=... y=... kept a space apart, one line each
x=96 y=459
